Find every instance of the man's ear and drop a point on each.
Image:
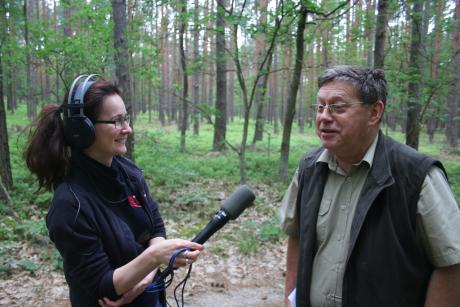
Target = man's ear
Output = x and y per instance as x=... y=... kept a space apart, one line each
x=376 y=110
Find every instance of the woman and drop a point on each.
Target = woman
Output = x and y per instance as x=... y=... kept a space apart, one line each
x=102 y=219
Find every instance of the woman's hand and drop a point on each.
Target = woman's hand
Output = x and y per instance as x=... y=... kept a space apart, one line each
x=126 y=277
x=131 y=294
x=164 y=249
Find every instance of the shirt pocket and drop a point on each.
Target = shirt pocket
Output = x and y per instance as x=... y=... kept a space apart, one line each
x=323 y=216
x=324 y=207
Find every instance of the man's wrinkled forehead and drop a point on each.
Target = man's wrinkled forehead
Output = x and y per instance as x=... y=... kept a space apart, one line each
x=337 y=90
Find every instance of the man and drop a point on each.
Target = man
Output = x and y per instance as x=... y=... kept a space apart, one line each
x=371 y=222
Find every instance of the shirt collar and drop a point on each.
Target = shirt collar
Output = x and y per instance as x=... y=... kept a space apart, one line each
x=327 y=157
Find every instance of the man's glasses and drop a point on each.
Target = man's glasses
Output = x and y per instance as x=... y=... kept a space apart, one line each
x=118 y=121
x=335 y=108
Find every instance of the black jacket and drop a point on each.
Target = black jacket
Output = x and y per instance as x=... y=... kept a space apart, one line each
x=386 y=265
x=91 y=238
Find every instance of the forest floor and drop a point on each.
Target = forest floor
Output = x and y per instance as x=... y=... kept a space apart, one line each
x=222 y=276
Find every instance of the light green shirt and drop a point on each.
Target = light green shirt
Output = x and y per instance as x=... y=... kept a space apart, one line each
x=438 y=223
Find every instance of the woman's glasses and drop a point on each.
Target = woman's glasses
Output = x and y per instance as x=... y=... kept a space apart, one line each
x=118 y=121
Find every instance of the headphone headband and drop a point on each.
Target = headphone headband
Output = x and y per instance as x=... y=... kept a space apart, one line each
x=73 y=99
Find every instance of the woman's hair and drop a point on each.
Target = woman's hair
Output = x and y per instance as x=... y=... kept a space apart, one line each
x=47 y=155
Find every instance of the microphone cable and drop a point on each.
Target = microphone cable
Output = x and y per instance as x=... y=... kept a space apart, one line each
x=165 y=278
x=183 y=282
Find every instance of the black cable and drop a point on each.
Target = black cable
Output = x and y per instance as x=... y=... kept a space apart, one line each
x=164 y=279
x=183 y=283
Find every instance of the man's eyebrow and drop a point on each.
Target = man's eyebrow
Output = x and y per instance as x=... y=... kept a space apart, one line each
x=333 y=98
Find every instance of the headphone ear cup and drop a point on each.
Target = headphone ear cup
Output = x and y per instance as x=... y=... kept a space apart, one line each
x=79 y=132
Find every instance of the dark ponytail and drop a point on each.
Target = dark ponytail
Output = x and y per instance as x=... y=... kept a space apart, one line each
x=46 y=154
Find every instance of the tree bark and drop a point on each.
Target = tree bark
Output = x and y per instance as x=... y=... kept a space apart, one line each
x=10 y=78
x=5 y=165
x=274 y=99
x=197 y=70
x=432 y=119
x=287 y=73
x=31 y=99
x=290 y=111
x=381 y=34
x=121 y=62
x=164 y=83
x=369 y=31
x=453 y=101
x=220 y=124
x=261 y=87
x=415 y=68
x=183 y=25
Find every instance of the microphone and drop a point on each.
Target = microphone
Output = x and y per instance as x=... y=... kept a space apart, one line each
x=230 y=209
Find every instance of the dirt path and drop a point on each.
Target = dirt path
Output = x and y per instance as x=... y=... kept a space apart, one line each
x=235 y=280
x=223 y=275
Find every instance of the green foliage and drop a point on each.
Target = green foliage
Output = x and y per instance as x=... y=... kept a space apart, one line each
x=453 y=172
x=31 y=230
x=270 y=231
x=28 y=265
x=57 y=260
x=170 y=173
x=6 y=261
x=247 y=242
x=190 y=230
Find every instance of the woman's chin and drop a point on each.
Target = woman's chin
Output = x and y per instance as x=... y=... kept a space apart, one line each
x=121 y=150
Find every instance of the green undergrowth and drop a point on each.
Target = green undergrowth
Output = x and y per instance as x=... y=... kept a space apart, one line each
x=171 y=174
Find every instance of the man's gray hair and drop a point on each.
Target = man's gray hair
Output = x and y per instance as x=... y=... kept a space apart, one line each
x=370 y=84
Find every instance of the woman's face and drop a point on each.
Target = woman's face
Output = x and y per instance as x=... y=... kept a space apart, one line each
x=110 y=138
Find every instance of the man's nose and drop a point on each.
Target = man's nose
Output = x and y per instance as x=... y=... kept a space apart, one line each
x=325 y=115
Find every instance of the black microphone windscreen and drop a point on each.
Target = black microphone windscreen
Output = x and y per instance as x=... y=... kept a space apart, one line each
x=239 y=200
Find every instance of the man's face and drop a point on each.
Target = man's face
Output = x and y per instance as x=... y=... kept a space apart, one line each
x=345 y=131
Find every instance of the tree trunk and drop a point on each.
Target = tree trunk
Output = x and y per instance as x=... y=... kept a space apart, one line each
x=274 y=100
x=369 y=31
x=212 y=73
x=453 y=101
x=197 y=70
x=9 y=78
x=261 y=87
x=286 y=82
x=300 y=104
x=415 y=69
x=220 y=125
x=184 y=124
x=289 y=118
x=230 y=86
x=31 y=98
x=6 y=177
x=311 y=85
x=381 y=33
x=432 y=118
x=164 y=83
x=174 y=70
x=121 y=61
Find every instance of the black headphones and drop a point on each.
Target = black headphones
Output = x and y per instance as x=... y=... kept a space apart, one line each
x=78 y=129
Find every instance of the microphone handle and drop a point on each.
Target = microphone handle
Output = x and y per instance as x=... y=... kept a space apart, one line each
x=217 y=222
